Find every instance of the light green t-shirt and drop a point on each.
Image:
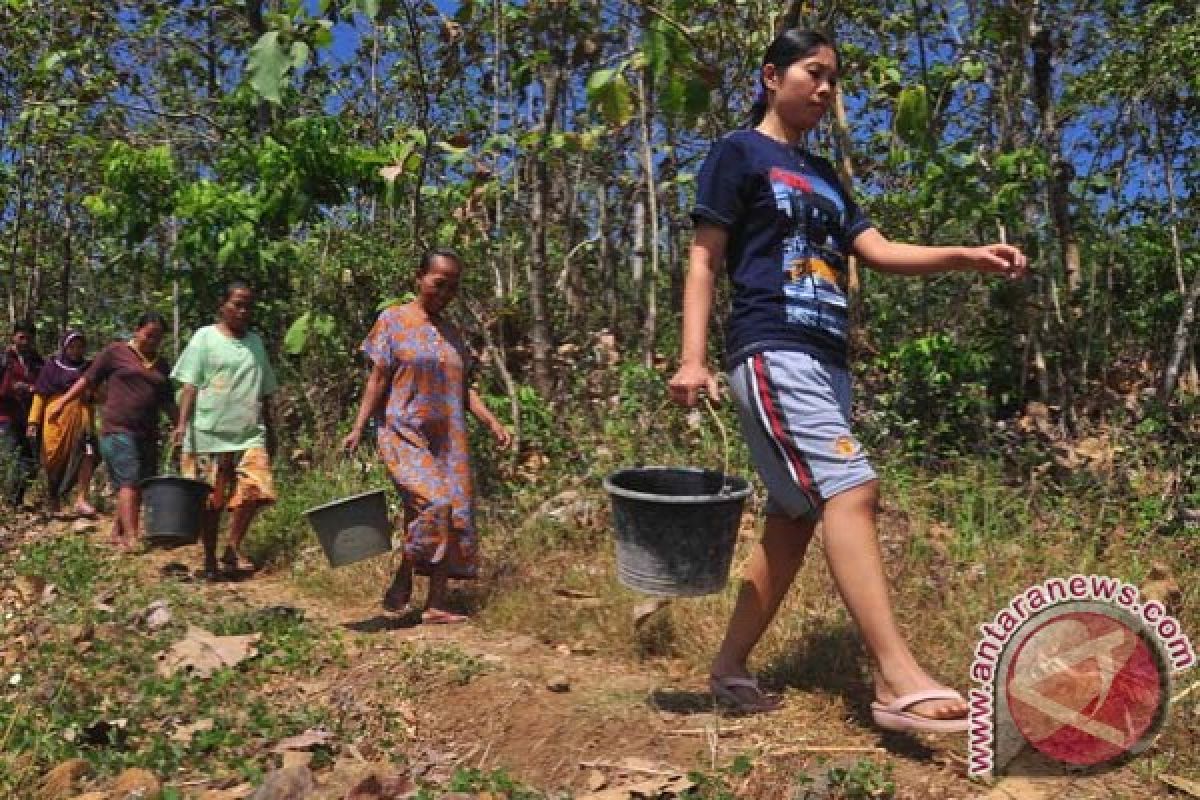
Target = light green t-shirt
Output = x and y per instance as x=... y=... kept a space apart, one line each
x=232 y=377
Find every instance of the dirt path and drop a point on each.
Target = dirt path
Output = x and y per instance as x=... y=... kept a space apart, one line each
x=558 y=719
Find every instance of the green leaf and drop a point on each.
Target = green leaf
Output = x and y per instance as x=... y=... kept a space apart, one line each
x=912 y=116
x=656 y=48
x=268 y=64
x=296 y=337
x=609 y=92
x=300 y=54
x=325 y=324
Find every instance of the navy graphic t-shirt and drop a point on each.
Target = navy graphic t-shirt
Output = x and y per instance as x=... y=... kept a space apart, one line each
x=790 y=225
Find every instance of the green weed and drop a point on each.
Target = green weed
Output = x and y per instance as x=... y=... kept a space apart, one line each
x=865 y=780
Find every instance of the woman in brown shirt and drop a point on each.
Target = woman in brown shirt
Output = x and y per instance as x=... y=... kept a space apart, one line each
x=138 y=389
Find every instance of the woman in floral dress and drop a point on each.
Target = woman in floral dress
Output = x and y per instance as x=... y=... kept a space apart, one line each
x=420 y=367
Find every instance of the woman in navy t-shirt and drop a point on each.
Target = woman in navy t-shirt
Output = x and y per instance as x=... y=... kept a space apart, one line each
x=780 y=222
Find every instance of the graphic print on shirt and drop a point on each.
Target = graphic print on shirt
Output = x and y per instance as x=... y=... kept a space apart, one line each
x=814 y=281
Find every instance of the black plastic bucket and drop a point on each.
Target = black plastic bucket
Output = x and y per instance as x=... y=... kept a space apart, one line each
x=353 y=528
x=174 y=507
x=675 y=528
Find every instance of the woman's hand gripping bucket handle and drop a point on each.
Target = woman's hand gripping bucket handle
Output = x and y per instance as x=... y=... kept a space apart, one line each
x=726 y=487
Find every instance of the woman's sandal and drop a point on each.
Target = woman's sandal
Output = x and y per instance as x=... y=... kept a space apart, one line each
x=437 y=616
x=897 y=717
x=724 y=691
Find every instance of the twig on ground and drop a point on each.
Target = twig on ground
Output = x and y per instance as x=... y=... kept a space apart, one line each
x=723 y=731
x=630 y=768
x=847 y=748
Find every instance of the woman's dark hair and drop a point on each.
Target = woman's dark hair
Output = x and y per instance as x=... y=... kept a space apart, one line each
x=788 y=48
x=26 y=327
x=235 y=285
x=427 y=260
x=150 y=318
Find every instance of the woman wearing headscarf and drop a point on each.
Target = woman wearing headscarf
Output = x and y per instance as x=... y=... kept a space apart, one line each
x=67 y=439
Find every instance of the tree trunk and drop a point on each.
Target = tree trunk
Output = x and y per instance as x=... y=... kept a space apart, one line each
x=64 y=289
x=1042 y=46
x=1181 y=342
x=650 y=322
x=541 y=339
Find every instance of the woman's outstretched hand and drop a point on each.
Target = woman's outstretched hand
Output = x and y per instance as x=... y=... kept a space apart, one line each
x=999 y=259
x=350 y=443
x=690 y=382
x=502 y=435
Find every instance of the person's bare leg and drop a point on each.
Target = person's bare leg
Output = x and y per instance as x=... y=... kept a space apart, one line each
x=399 y=593
x=239 y=523
x=86 y=467
x=852 y=549
x=439 y=578
x=127 y=531
x=210 y=524
x=768 y=575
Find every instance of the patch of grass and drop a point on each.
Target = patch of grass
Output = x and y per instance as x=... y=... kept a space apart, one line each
x=864 y=780
x=460 y=667
x=88 y=684
x=466 y=779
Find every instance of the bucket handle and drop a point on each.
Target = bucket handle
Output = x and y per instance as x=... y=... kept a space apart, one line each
x=726 y=484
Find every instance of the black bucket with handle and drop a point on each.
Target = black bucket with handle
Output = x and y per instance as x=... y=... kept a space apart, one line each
x=354 y=528
x=173 y=507
x=675 y=528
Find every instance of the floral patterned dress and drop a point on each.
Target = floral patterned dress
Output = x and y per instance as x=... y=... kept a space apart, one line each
x=423 y=441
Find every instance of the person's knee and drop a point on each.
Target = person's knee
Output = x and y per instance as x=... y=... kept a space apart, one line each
x=860 y=499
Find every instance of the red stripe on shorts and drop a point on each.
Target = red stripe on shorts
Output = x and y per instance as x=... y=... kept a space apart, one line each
x=775 y=426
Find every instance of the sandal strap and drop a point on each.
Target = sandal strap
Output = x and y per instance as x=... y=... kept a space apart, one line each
x=907 y=701
x=736 y=682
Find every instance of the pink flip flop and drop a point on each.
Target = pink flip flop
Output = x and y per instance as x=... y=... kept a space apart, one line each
x=436 y=616
x=722 y=688
x=895 y=716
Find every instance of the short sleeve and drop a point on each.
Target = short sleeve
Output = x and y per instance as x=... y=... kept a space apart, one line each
x=101 y=367
x=378 y=344
x=857 y=220
x=270 y=384
x=190 y=367
x=719 y=186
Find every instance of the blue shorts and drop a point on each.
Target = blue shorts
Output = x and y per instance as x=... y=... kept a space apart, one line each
x=795 y=415
x=130 y=459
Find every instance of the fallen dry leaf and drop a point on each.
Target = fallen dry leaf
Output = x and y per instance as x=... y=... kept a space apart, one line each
x=1182 y=784
x=313 y=737
x=201 y=653
x=573 y=594
x=643 y=611
x=156 y=616
x=60 y=781
x=184 y=733
x=136 y=783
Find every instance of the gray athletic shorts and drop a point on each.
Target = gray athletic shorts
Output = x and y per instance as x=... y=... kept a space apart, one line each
x=795 y=415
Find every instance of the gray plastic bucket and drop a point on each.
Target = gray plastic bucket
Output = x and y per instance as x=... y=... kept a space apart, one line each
x=354 y=528
x=174 y=508
x=675 y=528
